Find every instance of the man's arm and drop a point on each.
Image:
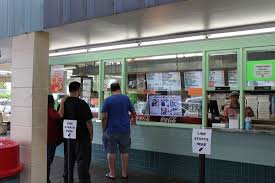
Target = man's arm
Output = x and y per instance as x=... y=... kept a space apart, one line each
x=104 y=121
x=89 y=125
x=133 y=118
x=61 y=109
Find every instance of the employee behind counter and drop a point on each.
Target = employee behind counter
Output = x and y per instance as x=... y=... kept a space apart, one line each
x=232 y=110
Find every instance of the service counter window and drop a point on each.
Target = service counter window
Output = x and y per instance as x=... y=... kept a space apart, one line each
x=112 y=73
x=260 y=90
x=166 y=88
x=223 y=109
x=223 y=90
x=85 y=73
x=223 y=70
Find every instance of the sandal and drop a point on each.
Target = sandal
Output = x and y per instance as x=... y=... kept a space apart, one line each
x=124 y=177
x=109 y=176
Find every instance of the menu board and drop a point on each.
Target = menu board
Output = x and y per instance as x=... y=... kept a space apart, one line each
x=57 y=79
x=166 y=81
x=216 y=78
x=86 y=89
x=233 y=78
x=132 y=81
x=165 y=105
x=136 y=81
x=193 y=79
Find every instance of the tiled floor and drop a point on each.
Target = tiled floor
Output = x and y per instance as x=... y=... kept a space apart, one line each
x=98 y=175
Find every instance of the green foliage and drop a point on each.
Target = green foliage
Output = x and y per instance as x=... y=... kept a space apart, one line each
x=3 y=85
x=5 y=95
x=133 y=97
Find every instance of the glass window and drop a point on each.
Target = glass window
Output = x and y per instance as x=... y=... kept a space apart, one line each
x=166 y=88
x=112 y=73
x=260 y=74
x=223 y=70
x=260 y=68
x=85 y=73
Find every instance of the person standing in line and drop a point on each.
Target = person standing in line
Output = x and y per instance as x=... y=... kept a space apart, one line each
x=79 y=149
x=116 y=129
x=53 y=134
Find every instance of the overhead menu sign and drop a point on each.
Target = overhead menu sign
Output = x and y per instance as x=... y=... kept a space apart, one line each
x=201 y=141
x=166 y=81
x=193 y=79
x=216 y=78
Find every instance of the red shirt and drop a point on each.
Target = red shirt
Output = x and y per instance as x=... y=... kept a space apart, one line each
x=53 y=120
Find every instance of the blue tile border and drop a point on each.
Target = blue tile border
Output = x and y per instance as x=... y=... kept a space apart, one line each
x=187 y=167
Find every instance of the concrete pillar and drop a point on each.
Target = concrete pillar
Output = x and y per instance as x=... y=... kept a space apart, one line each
x=29 y=103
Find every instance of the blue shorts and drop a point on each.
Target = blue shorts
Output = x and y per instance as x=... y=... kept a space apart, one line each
x=112 y=142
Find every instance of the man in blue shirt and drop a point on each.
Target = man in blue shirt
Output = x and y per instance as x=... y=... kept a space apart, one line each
x=116 y=129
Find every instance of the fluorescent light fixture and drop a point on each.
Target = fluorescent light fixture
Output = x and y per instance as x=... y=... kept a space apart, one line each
x=163 y=57
x=69 y=67
x=68 y=52
x=174 y=40
x=5 y=72
x=187 y=55
x=242 y=33
x=113 y=47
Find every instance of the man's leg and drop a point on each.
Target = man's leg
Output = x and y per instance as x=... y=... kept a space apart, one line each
x=110 y=145
x=124 y=159
x=124 y=148
x=111 y=157
x=83 y=161
x=50 y=156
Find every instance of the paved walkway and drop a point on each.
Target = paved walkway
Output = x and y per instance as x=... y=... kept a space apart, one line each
x=98 y=175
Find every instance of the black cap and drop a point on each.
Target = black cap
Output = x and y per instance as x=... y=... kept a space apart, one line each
x=234 y=93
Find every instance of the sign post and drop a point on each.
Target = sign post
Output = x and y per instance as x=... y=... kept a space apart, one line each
x=69 y=132
x=201 y=144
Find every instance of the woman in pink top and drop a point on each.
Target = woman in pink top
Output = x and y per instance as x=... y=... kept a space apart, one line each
x=233 y=109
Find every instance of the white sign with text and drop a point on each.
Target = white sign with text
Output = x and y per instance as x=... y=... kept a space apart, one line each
x=201 y=141
x=69 y=129
x=263 y=70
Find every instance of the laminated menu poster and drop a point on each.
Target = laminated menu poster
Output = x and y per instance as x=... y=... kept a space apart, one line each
x=165 y=81
x=86 y=89
x=132 y=81
x=193 y=79
x=136 y=81
x=57 y=79
x=165 y=105
x=216 y=78
x=233 y=78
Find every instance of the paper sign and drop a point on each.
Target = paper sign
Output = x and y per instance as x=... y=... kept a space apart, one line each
x=201 y=141
x=165 y=105
x=69 y=129
x=216 y=78
x=263 y=70
x=57 y=79
x=260 y=70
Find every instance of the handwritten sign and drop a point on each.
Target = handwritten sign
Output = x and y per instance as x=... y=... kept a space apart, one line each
x=201 y=141
x=69 y=129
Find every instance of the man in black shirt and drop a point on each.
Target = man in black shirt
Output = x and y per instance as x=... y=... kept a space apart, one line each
x=78 y=149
